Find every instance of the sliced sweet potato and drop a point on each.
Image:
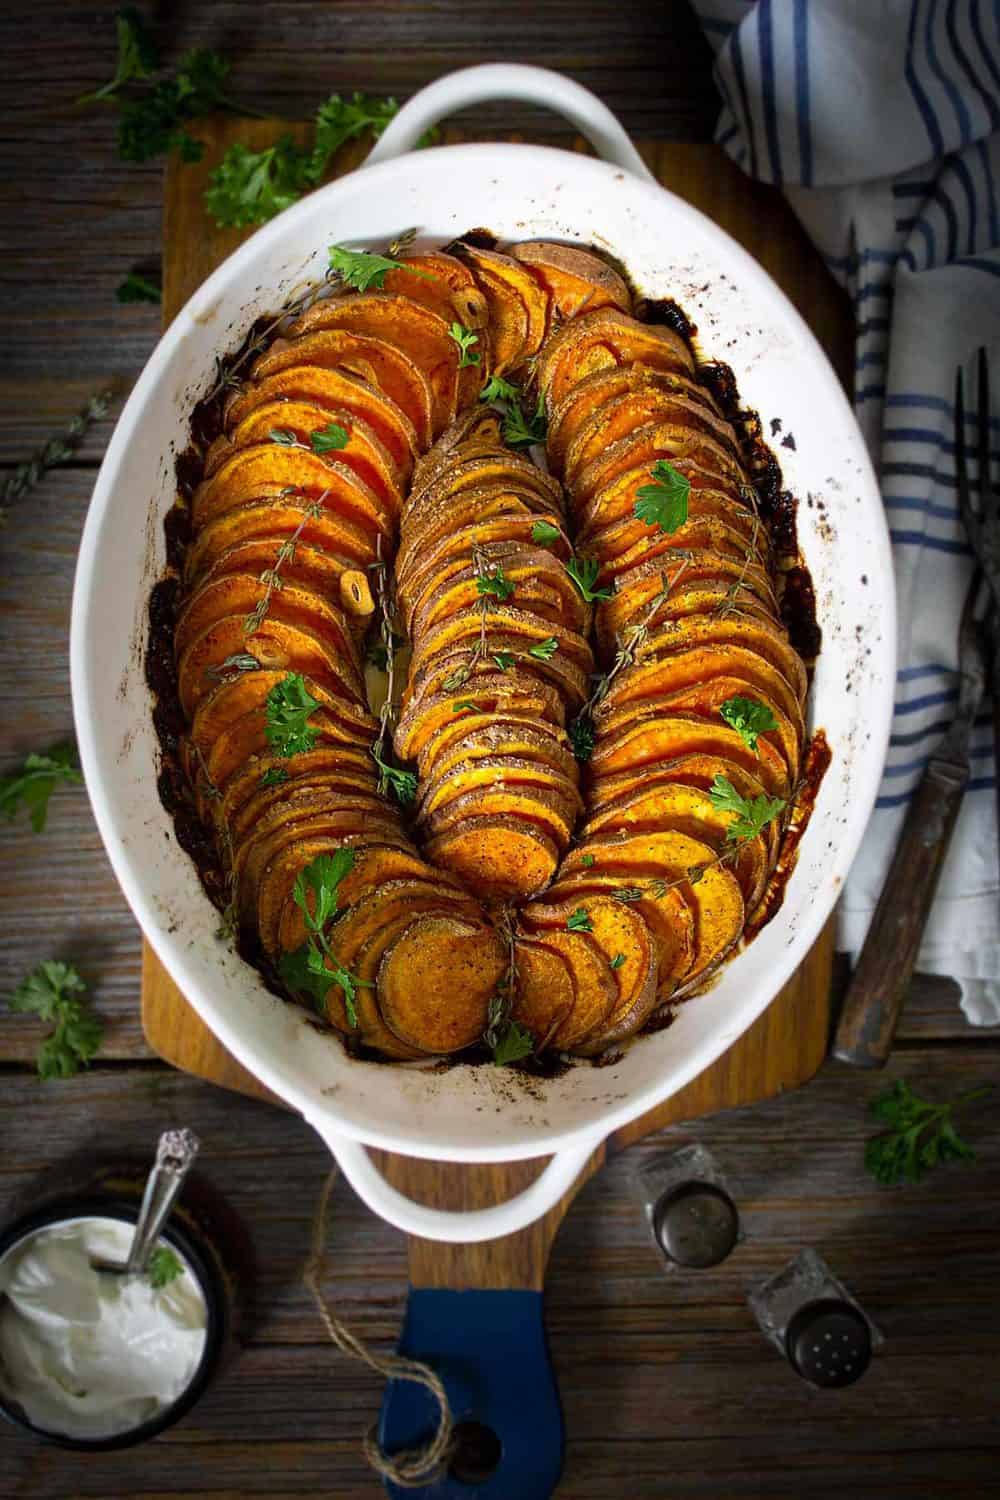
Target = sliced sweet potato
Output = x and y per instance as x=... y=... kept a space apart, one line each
x=311 y=567
x=669 y=919
x=518 y=305
x=364 y=452
x=484 y=468
x=767 y=638
x=542 y=587
x=520 y=802
x=682 y=447
x=471 y=506
x=376 y=867
x=594 y=988
x=507 y=619
x=490 y=735
x=276 y=512
x=415 y=1004
x=452 y=549
x=280 y=875
x=279 y=645
x=334 y=390
x=335 y=782
x=473 y=432
x=495 y=857
x=236 y=695
x=371 y=1030
x=326 y=821
x=582 y=400
x=629 y=949
x=382 y=364
x=627 y=416
x=576 y=280
x=240 y=478
x=544 y=996
x=698 y=585
x=246 y=737
x=432 y=674
x=653 y=738
x=241 y=593
x=483 y=694
x=446 y=286
x=490 y=771
x=415 y=329
x=595 y=340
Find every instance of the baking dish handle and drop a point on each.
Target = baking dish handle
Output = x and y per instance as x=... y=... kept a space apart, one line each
x=529 y=85
x=462 y=1228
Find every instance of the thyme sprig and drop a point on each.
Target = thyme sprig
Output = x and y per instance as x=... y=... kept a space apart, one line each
x=491 y=587
x=391 y=778
x=271 y=577
x=508 y=1040
x=56 y=451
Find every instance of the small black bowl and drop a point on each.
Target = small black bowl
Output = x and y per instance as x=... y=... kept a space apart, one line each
x=207 y=1274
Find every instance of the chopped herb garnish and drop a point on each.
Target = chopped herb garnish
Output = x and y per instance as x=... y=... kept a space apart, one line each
x=513 y=1042
x=628 y=893
x=274 y=776
x=505 y=660
x=579 y=920
x=584 y=571
x=544 y=533
x=664 y=503
x=465 y=338
x=617 y=961
x=498 y=389
x=581 y=736
x=239 y=662
x=587 y=860
x=32 y=786
x=521 y=431
x=753 y=814
x=54 y=992
x=749 y=718
x=362 y=269
x=329 y=439
x=402 y=784
x=546 y=649
x=287 y=727
x=463 y=705
x=313 y=967
x=164 y=1267
x=494 y=582
x=283 y=435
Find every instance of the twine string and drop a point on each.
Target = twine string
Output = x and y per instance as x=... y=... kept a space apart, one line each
x=412 y=1468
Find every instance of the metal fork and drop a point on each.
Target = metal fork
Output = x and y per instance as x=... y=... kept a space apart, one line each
x=886 y=962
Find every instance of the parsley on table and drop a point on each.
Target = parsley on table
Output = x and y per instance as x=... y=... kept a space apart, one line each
x=136 y=288
x=664 y=503
x=32 y=786
x=54 y=992
x=544 y=533
x=313 y=967
x=287 y=727
x=921 y=1135
x=498 y=389
x=402 y=784
x=579 y=920
x=584 y=571
x=752 y=813
x=465 y=338
x=495 y=582
x=749 y=718
x=545 y=650
x=581 y=736
x=329 y=439
x=164 y=1267
x=137 y=55
x=505 y=660
x=521 y=431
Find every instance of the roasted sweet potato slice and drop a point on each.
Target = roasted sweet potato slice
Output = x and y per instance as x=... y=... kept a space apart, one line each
x=768 y=639
x=629 y=949
x=545 y=996
x=595 y=340
x=334 y=390
x=520 y=802
x=576 y=280
x=382 y=364
x=278 y=644
x=240 y=693
x=375 y=868
x=682 y=447
x=506 y=619
x=343 y=764
x=336 y=782
x=474 y=432
x=585 y=398
x=450 y=552
x=246 y=737
x=669 y=919
x=371 y=1030
x=277 y=513
x=364 y=452
x=697 y=586
x=310 y=567
x=628 y=416
x=708 y=500
x=483 y=694
x=327 y=821
x=241 y=477
x=415 y=329
x=490 y=771
x=500 y=467
x=446 y=286
x=542 y=587
x=488 y=735
x=518 y=305
x=414 y=1003
x=496 y=857
x=653 y=738
x=432 y=675
x=468 y=508
x=280 y=875
x=241 y=593
x=594 y=988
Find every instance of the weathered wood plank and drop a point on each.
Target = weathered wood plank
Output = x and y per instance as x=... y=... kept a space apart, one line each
x=666 y=1383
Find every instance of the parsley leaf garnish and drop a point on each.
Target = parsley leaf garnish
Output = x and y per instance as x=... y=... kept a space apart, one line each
x=32 y=786
x=137 y=55
x=587 y=860
x=579 y=920
x=313 y=967
x=463 y=705
x=544 y=533
x=920 y=1136
x=136 y=288
x=521 y=431
x=752 y=813
x=498 y=389
x=362 y=269
x=54 y=992
x=545 y=650
x=584 y=571
x=164 y=1267
x=287 y=727
x=749 y=718
x=664 y=503
x=274 y=776
x=330 y=438
x=617 y=961
x=402 y=784
x=505 y=660
x=581 y=736
x=512 y=1043
x=495 y=582
x=465 y=338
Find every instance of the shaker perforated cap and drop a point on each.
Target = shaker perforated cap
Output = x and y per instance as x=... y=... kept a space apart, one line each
x=696 y=1225
x=829 y=1343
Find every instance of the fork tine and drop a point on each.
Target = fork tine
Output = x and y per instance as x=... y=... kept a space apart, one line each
x=988 y=501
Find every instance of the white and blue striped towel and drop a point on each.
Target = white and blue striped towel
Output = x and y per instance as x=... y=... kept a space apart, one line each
x=880 y=120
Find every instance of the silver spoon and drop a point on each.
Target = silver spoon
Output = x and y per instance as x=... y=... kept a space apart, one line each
x=175 y=1152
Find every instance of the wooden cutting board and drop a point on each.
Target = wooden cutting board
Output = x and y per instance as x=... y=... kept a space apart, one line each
x=787 y=1044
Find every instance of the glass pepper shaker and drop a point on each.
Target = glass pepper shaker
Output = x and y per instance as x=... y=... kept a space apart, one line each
x=689 y=1208
x=812 y=1319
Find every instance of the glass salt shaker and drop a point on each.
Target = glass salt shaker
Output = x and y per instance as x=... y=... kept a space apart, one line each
x=689 y=1208
x=812 y=1319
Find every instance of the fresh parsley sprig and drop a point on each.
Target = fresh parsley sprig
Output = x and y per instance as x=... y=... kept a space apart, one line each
x=329 y=439
x=753 y=814
x=498 y=389
x=544 y=533
x=55 y=993
x=749 y=718
x=494 y=582
x=32 y=786
x=402 y=784
x=313 y=968
x=286 y=726
x=138 y=57
x=465 y=338
x=664 y=503
x=164 y=1267
x=521 y=431
x=544 y=650
x=584 y=571
x=363 y=269
x=920 y=1134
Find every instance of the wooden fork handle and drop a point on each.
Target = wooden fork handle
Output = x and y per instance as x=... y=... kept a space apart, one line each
x=886 y=962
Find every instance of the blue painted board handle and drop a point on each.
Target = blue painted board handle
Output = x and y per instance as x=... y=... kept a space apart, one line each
x=489 y=1348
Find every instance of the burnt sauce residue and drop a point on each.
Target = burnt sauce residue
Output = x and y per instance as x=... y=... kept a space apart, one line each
x=777 y=509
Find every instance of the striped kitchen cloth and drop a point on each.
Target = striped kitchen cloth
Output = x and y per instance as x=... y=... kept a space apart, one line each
x=880 y=121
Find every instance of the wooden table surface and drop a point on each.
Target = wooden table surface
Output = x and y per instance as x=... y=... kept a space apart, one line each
x=668 y=1388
